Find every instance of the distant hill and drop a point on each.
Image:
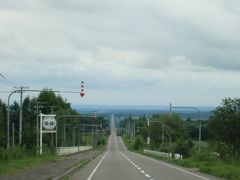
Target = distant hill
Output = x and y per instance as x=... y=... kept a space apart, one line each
x=136 y=111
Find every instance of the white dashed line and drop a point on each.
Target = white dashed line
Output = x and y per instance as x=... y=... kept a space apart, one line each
x=174 y=167
x=142 y=171
x=147 y=175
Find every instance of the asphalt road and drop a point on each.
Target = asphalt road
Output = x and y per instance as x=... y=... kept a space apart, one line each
x=117 y=164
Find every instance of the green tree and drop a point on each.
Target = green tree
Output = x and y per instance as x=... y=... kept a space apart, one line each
x=3 y=124
x=224 y=124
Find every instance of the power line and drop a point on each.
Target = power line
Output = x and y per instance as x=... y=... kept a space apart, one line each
x=2 y=76
x=11 y=82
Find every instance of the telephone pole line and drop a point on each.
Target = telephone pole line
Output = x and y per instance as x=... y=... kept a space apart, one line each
x=21 y=89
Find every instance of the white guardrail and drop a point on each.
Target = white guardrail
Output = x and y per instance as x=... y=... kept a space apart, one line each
x=71 y=150
x=163 y=154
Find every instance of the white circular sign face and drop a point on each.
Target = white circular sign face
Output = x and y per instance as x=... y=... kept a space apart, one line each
x=49 y=123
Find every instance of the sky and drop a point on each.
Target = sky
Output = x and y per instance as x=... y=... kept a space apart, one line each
x=138 y=52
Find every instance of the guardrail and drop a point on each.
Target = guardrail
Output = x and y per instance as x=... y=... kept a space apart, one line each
x=70 y=150
x=163 y=154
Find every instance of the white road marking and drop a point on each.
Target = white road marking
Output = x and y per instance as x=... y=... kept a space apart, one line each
x=147 y=175
x=179 y=169
x=95 y=169
x=100 y=162
x=135 y=165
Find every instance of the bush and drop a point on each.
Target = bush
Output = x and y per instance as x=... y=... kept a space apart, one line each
x=101 y=141
x=138 y=143
x=225 y=150
x=183 y=147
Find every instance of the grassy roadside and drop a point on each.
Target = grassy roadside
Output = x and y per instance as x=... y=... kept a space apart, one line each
x=24 y=162
x=216 y=167
x=16 y=165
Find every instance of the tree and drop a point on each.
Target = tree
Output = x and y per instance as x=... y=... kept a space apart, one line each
x=3 y=124
x=224 y=124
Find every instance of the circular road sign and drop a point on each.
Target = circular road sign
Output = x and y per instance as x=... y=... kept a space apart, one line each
x=49 y=123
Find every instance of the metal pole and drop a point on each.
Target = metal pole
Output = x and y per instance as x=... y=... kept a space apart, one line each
x=41 y=133
x=148 y=123
x=20 y=117
x=78 y=140
x=38 y=107
x=84 y=138
x=13 y=136
x=8 y=118
x=74 y=136
x=134 y=131
x=64 y=126
x=56 y=136
x=37 y=136
x=162 y=133
x=200 y=135
x=92 y=136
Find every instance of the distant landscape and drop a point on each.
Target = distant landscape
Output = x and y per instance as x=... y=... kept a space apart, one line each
x=137 y=111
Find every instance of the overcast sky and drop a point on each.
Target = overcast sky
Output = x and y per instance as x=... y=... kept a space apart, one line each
x=128 y=52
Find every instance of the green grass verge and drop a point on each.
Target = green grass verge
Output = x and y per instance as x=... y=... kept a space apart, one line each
x=15 y=165
x=215 y=167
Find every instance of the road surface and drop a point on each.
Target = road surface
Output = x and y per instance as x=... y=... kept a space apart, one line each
x=119 y=164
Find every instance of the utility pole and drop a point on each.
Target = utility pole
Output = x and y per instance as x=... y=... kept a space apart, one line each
x=52 y=133
x=20 y=115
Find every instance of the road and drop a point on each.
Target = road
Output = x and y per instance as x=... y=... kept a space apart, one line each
x=117 y=163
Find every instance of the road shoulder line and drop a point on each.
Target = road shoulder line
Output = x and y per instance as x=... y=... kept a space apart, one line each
x=168 y=165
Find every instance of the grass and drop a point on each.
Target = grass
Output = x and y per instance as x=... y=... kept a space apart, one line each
x=24 y=162
x=216 y=167
x=15 y=165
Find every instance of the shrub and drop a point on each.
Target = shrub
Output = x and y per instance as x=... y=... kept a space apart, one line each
x=138 y=143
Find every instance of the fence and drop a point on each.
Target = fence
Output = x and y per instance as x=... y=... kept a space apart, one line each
x=71 y=150
x=163 y=154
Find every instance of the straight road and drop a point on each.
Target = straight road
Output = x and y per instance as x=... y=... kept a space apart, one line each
x=117 y=164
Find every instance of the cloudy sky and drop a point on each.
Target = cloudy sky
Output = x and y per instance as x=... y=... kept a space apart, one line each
x=137 y=52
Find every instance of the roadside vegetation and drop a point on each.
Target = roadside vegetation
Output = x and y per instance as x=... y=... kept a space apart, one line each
x=25 y=156
x=219 y=152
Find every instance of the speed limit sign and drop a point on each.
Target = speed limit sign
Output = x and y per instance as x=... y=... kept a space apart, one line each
x=49 y=123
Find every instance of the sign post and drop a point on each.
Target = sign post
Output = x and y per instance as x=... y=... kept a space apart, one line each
x=48 y=124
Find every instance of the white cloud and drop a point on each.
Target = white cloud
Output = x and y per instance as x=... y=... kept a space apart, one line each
x=168 y=49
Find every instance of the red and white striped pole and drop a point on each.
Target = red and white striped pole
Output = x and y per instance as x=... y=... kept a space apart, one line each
x=82 y=89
